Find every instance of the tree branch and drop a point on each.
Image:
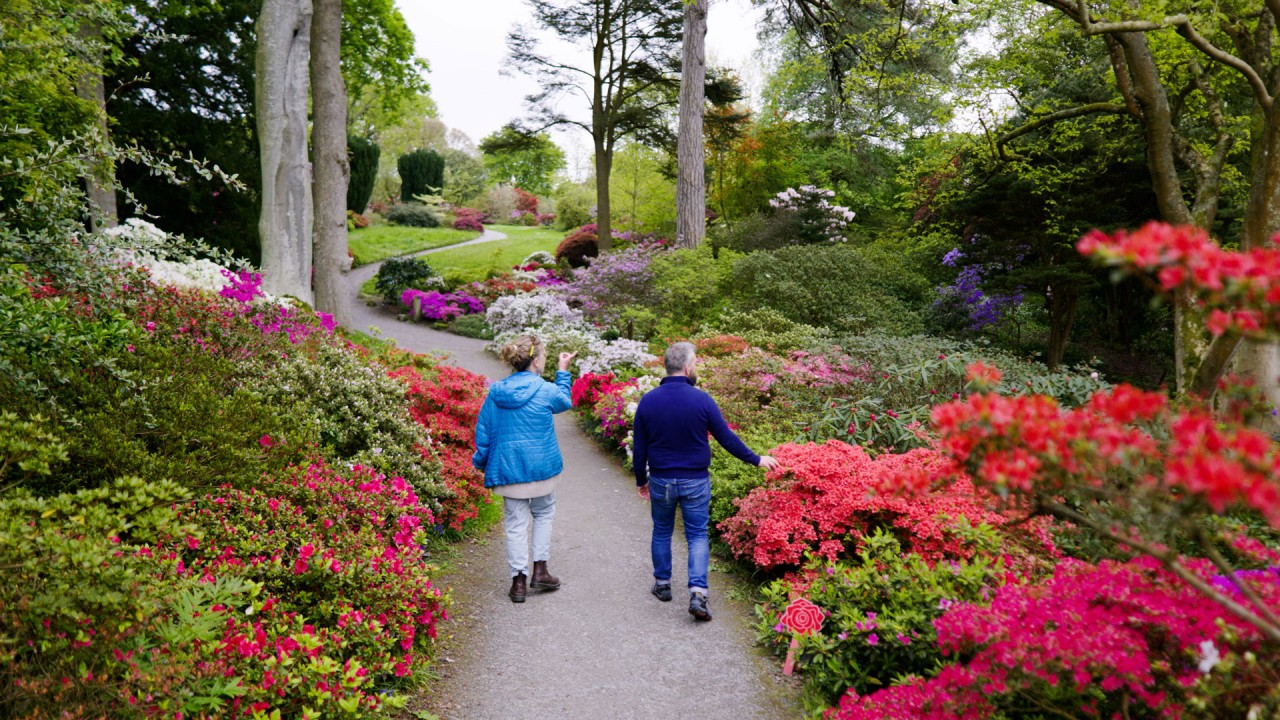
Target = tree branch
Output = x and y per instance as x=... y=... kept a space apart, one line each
x=1182 y=24
x=1058 y=116
x=1170 y=560
x=1230 y=574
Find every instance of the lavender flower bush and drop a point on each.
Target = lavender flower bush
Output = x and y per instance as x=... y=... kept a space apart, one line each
x=965 y=303
x=515 y=313
x=615 y=280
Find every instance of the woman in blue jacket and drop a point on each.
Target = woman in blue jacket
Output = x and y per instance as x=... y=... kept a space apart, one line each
x=516 y=449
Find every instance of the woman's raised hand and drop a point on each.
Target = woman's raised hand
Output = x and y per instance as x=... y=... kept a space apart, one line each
x=565 y=359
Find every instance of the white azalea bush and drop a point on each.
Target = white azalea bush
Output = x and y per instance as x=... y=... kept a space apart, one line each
x=513 y=313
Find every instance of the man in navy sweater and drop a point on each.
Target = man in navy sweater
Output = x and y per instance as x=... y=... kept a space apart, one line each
x=672 y=458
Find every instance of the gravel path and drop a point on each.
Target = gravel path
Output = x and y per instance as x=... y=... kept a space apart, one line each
x=601 y=647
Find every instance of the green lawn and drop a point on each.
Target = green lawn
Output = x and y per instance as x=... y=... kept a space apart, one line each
x=474 y=261
x=379 y=242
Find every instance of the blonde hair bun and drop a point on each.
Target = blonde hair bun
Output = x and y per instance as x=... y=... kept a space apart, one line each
x=521 y=352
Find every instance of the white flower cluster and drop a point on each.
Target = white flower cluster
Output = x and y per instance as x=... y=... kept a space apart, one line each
x=530 y=275
x=199 y=274
x=542 y=257
x=812 y=198
x=605 y=356
x=515 y=313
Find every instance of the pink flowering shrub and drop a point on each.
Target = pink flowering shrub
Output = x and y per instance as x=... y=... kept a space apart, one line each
x=590 y=387
x=342 y=550
x=309 y=590
x=1113 y=640
x=826 y=498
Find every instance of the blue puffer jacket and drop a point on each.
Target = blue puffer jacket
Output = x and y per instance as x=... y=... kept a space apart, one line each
x=515 y=435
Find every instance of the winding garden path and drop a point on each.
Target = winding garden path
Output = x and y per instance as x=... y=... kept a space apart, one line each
x=601 y=647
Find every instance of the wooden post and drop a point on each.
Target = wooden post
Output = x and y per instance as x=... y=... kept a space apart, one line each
x=417 y=308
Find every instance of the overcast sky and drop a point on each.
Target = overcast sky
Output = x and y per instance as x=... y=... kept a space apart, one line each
x=465 y=42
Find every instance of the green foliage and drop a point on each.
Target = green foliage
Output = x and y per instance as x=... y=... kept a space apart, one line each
x=472 y=326
x=885 y=594
x=413 y=214
x=642 y=191
x=187 y=418
x=76 y=583
x=574 y=204
x=837 y=287
x=525 y=160
x=465 y=176
x=28 y=446
x=399 y=274
x=421 y=173
x=358 y=413
x=767 y=328
x=364 y=154
x=689 y=280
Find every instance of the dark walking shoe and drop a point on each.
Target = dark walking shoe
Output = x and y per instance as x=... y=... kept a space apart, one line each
x=543 y=580
x=518 y=589
x=698 y=607
x=662 y=592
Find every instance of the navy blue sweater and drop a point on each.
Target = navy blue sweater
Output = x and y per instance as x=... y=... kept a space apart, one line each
x=670 y=437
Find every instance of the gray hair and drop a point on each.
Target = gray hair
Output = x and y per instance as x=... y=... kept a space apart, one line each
x=678 y=357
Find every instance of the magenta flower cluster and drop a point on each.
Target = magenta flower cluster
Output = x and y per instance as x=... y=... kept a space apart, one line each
x=442 y=306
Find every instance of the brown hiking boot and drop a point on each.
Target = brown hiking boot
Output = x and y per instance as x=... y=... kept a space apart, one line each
x=518 y=590
x=543 y=580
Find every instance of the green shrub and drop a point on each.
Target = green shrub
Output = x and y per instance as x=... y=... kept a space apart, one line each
x=364 y=155
x=472 y=326
x=421 y=173
x=880 y=611
x=731 y=478
x=573 y=206
x=413 y=214
x=689 y=282
x=27 y=448
x=837 y=287
x=396 y=275
x=79 y=586
x=761 y=231
x=190 y=419
x=767 y=328
x=358 y=413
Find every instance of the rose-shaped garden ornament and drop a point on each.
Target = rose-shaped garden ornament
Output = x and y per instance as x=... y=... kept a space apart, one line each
x=803 y=617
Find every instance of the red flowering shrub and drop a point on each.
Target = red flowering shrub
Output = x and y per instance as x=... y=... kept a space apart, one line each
x=448 y=405
x=526 y=202
x=720 y=345
x=1115 y=640
x=827 y=497
x=465 y=218
x=579 y=245
x=496 y=287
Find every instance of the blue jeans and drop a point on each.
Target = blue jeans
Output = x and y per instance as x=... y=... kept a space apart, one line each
x=693 y=497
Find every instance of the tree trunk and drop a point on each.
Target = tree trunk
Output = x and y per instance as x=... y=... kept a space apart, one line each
x=691 y=189
x=332 y=170
x=604 y=220
x=1259 y=360
x=280 y=99
x=100 y=185
x=1189 y=344
x=1062 y=314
